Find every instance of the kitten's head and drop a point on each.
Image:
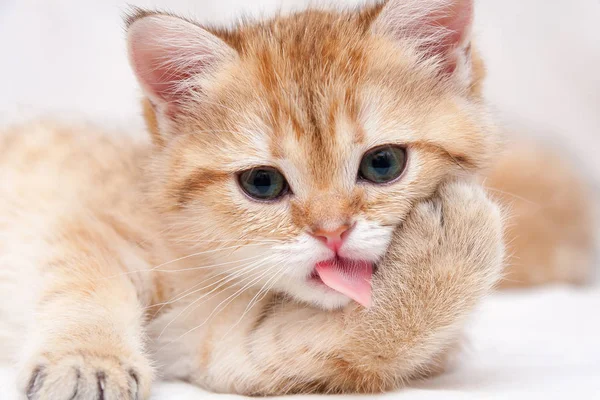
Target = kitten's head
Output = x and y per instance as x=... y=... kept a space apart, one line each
x=307 y=138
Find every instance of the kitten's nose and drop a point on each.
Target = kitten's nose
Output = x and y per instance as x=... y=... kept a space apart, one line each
x=333 y=238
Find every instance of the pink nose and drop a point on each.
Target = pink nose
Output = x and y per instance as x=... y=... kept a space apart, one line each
x=334 y=238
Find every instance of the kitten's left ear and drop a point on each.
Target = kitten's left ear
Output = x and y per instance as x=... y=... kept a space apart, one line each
x=438 y=28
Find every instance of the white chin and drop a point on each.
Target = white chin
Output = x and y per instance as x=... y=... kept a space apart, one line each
x=317 y=295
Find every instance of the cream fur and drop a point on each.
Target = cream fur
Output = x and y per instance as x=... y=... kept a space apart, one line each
x=80 y=312
x=122 y=261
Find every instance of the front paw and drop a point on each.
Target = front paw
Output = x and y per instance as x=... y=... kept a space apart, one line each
x=94 y=374
x=454 y=237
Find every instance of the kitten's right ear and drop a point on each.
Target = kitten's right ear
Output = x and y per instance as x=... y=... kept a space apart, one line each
x=170 y=57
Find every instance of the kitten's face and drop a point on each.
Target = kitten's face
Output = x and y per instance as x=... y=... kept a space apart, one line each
x=311 y=144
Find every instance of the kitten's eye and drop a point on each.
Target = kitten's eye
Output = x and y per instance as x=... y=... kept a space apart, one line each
x=382 y=164
x=263 y=183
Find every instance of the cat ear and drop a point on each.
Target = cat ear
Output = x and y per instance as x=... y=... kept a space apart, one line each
x=167 y=53
x=439 y=28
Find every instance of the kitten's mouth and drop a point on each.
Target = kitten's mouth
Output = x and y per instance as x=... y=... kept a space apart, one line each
x=351 y=278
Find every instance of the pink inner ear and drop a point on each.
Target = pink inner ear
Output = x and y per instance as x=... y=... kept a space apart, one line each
x=159 y=78
x=165 y=52
x=440 y=26
x=456 y=19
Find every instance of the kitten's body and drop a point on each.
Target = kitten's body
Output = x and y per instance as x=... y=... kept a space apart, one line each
x=105 y=241
x=72 y=195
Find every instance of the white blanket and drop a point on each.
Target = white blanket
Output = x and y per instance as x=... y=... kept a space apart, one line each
x=67 y=57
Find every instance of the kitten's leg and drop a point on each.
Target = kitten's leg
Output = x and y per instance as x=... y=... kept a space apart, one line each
x=443 y=260
x=86 y=332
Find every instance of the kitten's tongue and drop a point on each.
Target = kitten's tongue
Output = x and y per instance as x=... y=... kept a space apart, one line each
x=351 y=278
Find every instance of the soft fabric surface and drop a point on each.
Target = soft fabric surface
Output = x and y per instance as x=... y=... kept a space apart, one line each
x=67 y=58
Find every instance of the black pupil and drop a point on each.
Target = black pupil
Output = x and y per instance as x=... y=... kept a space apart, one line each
x=381 y=162
x=262 y=182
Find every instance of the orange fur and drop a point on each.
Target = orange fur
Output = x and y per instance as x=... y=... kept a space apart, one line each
x=132 y=240
x=550 y=229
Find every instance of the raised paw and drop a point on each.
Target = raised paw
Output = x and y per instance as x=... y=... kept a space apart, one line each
x=456 y=234
x=472 y=227
x=87 y=375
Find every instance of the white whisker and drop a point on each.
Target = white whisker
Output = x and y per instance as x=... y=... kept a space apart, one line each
x=153 y=269
x=222 y=306
x=228 y=279
x=191 y=290
x=256 y=299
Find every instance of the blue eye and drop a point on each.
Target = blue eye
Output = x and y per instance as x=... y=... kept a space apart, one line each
x=263 y=183
x=382 y=164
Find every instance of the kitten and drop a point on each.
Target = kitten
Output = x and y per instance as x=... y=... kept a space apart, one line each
x=305 y=220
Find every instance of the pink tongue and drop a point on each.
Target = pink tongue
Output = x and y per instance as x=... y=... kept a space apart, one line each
x=351 y=278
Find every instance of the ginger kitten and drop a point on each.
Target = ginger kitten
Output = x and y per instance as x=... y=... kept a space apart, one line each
x=307 y=218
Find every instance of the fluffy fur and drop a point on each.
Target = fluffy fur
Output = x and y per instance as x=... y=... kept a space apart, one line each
x=551 y=226
x=120 y=261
